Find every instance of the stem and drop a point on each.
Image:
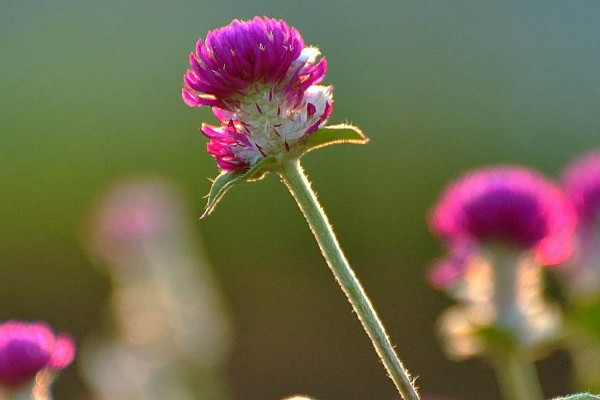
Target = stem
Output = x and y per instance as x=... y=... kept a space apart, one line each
x=30 y=391
x=513 y=285
x=298 y=184
x=517 y=377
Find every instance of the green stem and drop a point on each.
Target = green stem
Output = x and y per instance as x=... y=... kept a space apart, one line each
x=298 y=184
x=517 y=377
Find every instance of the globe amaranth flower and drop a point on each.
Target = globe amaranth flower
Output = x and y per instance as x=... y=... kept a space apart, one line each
x=28 y=348
x=132 y=217
x=262 y=83
x=510 y=205
x=581 y=182
x=500 y=224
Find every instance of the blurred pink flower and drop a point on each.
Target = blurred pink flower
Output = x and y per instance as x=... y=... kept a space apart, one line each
x=29 y=347
x=501 y=224
x=132 y=216
x=511 y=205
x=581 y=181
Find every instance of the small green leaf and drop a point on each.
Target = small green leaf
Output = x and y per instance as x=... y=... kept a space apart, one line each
x=226 y=180
x=579 y=396
x=334 y=134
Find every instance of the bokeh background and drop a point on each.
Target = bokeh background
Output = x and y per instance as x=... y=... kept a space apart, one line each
x=90 y=92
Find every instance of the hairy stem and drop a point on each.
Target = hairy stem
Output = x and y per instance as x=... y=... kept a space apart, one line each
x=298 y=184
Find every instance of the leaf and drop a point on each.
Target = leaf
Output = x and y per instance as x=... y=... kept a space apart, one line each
x=226 y=180
x=578 y=396
x=334 y=134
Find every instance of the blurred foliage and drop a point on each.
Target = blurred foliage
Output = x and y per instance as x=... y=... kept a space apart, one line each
x=90 y=92
x=587 y=317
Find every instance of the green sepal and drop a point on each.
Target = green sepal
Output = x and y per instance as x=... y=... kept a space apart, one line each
x=226 y=180
x=579 y=396
x=334 y=134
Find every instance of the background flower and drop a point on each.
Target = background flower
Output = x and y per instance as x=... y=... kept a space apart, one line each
x=581 y=181
x=510 y=205
x=513 y=220
x=581 y=276
x=28 y=348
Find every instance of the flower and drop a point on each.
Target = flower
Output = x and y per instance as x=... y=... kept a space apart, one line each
x=27 y=348
x=500 y=224
x=132 y=216
x=511 y=205
x=581 y=182
x=262 y=83
x=297 y=397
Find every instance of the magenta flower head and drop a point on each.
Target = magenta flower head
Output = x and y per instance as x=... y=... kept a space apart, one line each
x=262 y=83
x=510 y=205
x=28 y=348
x=582 y=184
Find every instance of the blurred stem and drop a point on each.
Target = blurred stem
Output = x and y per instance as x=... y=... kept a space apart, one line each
x=517 y=377
x=298 y=184
x=32 y=391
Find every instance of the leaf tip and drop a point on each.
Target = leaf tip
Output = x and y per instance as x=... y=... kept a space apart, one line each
x=226 y=180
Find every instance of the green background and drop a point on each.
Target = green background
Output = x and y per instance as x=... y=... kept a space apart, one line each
x=90 y=92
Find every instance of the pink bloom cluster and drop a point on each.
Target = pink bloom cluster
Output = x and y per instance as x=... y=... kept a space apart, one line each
x=132 y=216
x=581 y=182
x=263 y=85
x=27 y=348
x=506 y=204
x=582 y=185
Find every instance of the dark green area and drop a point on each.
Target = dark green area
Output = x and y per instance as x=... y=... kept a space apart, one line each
x=89 y=92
